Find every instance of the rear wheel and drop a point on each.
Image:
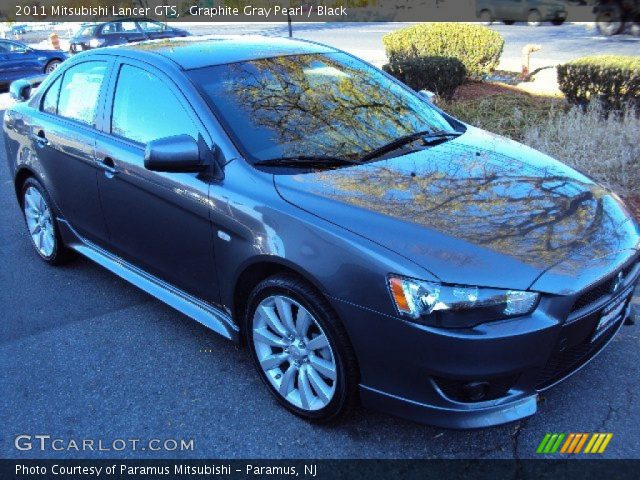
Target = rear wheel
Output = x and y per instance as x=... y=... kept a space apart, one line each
x=509 y=22
x=557 y=21
x=609 y=20
x=300 y=349
x=534 y=19
x=41 y=223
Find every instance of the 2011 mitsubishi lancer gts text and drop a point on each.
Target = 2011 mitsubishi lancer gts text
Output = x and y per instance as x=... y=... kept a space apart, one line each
x=365 y=245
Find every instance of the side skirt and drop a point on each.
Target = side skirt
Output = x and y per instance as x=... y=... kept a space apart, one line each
x=208 y=315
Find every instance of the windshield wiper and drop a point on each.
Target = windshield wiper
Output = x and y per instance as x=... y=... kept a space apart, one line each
x=306 y=161
x=428 y=138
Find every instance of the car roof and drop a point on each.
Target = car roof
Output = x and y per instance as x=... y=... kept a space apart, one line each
x=204 y=51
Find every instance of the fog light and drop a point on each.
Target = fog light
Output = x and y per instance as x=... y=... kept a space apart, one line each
x=475 y=391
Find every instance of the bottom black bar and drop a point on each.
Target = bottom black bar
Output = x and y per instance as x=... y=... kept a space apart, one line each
x=321 y=469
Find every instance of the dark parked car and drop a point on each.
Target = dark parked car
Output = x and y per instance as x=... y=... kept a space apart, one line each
x=362 y=242
x=534 y=12
x=17 y=60
x=119 y=32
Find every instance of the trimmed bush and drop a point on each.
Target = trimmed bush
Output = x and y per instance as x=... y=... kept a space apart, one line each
x=614 y=80
x=439 y=74
x=477 y=47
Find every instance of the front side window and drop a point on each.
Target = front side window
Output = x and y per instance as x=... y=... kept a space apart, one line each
x=150 y=27
x=80 y=90
x=50 y=100
x=313 y=105
x=145 y=109
x=11 y=47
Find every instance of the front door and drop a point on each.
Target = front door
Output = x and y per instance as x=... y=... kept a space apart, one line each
x=157 y=221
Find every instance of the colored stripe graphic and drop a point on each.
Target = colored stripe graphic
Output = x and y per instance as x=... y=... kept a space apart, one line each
x=596 y=443
x=550 y=443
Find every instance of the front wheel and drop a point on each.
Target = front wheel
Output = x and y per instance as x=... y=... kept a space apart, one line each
x=300 y=349
x=557 y=21
x=51 y=66
x=485 y=17
x=534 y=19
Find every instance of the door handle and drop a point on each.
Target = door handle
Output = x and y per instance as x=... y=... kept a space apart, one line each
x=109 y=167
x=40 y=138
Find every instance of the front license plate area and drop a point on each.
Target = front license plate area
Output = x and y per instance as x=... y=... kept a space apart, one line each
x=612 y=313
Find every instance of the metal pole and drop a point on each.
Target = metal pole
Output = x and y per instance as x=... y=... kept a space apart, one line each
x=290 y=26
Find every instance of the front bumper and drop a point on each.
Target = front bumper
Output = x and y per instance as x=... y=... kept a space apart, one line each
x=422 y=373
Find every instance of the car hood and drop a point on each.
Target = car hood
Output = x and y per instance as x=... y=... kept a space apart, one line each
x=479 y=209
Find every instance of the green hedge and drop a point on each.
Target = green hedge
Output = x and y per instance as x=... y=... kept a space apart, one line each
x=439 y=74
x=477 y=47
x=612 y=79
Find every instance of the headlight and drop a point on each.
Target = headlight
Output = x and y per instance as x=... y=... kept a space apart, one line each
x=96 y=42
x=453 y=306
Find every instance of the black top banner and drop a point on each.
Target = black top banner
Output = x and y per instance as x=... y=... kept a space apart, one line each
x=24 y=11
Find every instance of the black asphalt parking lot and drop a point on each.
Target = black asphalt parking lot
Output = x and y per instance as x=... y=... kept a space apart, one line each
x=85 y=355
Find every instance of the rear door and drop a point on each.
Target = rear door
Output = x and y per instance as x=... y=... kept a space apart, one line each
x=158 y=221
x=63 y=136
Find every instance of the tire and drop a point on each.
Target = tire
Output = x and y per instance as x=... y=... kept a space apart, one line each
x=42 y=227
x=51 y=66
x=283 y=318
x=534 y=19
x=508 y=22
x=609 y=20
x=485 y=17
x=557 y=21
x=635 y=28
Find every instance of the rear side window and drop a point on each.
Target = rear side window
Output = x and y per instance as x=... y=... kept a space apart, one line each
x=50 y=100
x=80 y=91
x=145 y=109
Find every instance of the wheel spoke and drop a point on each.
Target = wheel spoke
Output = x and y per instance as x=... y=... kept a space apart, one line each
x=266 y=336
x=273 y=321
x=285 y=313
x=48 y=244
x=323 y=367
x=318 y=342
x=272 y=361
x=322 y=389
x=288 y=378
x=303 y=321
x=306 y=394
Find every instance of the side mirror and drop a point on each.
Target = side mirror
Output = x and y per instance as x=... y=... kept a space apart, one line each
x=429 y=96
x=179 y=153
x=20 y=90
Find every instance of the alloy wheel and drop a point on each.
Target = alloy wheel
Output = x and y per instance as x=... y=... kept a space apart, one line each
x=39 y=222
x=294 y=353
x=51 y=66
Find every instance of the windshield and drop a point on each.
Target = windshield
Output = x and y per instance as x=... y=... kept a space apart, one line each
x=328 y=105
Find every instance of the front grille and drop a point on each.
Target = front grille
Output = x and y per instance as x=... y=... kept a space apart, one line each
x=601 y=290
x=565 y=361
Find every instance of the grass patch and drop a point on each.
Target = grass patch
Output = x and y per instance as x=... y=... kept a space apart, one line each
x=509 y=113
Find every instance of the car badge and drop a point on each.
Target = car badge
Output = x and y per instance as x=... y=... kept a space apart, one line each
x=617 y=283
